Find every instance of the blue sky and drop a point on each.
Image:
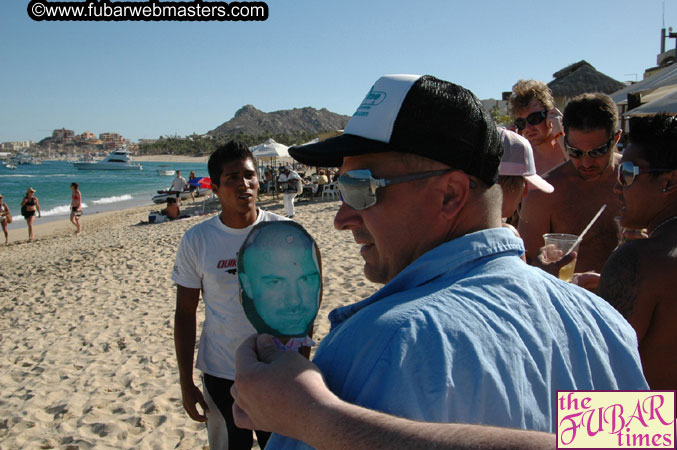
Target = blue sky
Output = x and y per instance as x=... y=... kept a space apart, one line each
x=146 y=79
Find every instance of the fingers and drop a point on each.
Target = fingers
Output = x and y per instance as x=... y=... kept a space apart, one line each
x=245 y=356
x=241 y=418
x=192 y=397
x=587 y=280
x=193 y=412
x=266 y=349
x=554 y=112
x=567 y=259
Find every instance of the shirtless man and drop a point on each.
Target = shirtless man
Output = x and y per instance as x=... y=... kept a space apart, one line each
x=582 y=185
x=639 y=278
x=536 y=118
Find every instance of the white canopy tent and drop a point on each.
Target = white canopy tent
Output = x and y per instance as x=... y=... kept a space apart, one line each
x=270 y=149
x=664 y=77
x=665 y=104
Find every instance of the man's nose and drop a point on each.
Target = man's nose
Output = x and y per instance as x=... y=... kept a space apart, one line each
x=347 y=218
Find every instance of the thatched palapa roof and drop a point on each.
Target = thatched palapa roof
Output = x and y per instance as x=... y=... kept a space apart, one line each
x=580 y=78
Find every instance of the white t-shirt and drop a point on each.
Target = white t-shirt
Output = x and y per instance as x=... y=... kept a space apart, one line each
x=179 y=184
x=207 y=260
x=284 y=178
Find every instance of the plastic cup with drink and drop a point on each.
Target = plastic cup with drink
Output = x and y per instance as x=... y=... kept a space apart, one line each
x=557 y=245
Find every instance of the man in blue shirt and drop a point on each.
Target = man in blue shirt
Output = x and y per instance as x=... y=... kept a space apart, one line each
x=462 y=330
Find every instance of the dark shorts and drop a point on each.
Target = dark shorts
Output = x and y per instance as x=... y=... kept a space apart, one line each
x=238 y=438
x=77 y=211
x=28 y=214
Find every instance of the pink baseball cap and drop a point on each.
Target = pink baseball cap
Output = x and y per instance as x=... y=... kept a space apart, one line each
x=518 y=160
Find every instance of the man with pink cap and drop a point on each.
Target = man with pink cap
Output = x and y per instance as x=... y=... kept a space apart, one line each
x=517 y=173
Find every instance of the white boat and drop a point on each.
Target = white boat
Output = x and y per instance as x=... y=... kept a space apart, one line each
x=118 y=159
x=167 y=173
x=23 y=158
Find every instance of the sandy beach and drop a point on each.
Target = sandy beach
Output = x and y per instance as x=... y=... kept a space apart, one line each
x=86 y=332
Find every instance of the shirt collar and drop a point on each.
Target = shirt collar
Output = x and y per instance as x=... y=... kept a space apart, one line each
x=443 y=259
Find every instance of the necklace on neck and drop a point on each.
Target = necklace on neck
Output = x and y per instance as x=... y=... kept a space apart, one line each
x=666 y=221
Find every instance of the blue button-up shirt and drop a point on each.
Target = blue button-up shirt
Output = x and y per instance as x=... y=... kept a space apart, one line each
x=469 y=333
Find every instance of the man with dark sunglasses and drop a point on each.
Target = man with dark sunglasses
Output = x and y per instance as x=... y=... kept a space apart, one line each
x=535 y=117
x=639 y=278
x=582 y=185
x=462 y=330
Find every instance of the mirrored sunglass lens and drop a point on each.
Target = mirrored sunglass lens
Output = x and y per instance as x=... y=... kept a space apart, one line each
x=573 y=152
x=600 y=151
x=626 y=174
x=356 y=192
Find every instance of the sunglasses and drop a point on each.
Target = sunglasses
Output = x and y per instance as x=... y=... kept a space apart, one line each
x=534 y=119
x=628 y=171
x=594 y=153
x=358 y=187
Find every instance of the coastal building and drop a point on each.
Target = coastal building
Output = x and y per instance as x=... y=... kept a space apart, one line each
x=15 y=146
x=63 y=135
x=112 y=140
x=86 y=136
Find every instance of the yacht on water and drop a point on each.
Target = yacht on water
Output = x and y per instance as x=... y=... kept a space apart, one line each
x=118 y=159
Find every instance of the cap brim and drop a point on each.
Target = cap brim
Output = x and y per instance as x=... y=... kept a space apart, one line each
x=539 y=183
x=330 y=153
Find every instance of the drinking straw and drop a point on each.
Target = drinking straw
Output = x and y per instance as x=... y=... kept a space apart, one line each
x=580 y=238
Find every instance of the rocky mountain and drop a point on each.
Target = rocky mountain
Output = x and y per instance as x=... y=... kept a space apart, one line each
x=250 y=121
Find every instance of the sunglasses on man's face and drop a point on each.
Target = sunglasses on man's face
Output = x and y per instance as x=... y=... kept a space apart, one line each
x=534 y=119
x=594 y=153
x=358 y=187
x=628 y=171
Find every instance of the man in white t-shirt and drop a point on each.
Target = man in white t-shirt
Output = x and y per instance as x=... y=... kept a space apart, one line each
x=293 y=187
x=178 y=185
x=206 y=262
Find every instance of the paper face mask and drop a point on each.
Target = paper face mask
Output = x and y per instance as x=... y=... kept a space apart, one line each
x=280 y=276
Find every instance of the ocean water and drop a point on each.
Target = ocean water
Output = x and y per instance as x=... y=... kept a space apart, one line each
x=102 y=190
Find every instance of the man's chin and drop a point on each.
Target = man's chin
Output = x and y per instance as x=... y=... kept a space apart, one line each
x=589 y=175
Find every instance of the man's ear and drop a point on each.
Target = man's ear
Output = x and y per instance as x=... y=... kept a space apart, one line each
x=456 y=193
x=670 y=186
x=617 y=138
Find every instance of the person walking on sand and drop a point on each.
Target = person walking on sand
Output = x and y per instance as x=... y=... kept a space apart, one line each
x=292 y=180
x=76 y=207
x=192 y=186
x=178 y=186
x=5 y=217
x=29 y=205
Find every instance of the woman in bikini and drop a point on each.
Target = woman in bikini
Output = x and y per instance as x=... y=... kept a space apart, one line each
x=5 y=217
x=76 y=207
x=28 y=207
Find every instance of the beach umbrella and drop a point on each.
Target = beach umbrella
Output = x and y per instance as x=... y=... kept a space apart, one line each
x=269 y=149
x=201 y=182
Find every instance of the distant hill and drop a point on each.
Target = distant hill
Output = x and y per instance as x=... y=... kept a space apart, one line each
x=250 y=121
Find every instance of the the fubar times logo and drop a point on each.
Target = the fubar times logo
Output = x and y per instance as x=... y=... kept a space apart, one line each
x=616 y=419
